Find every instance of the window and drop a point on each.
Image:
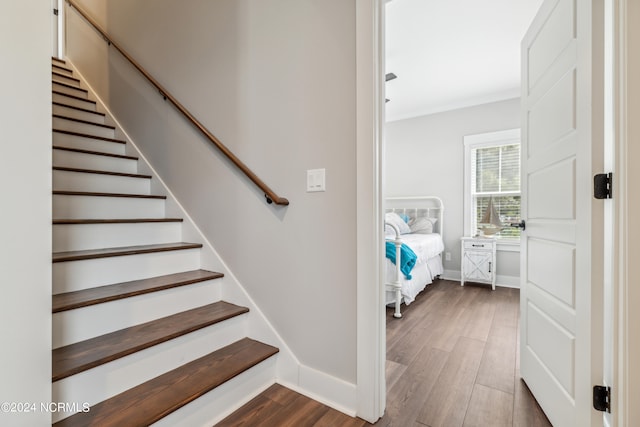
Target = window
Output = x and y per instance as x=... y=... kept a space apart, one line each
x=492 y=174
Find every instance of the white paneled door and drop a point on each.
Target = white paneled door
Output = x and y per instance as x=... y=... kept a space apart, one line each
x=561 y=253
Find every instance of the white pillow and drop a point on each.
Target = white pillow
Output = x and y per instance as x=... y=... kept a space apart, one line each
x=394 y=218
x=422 y=225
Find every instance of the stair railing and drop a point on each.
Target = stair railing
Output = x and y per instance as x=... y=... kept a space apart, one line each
x=269 y=194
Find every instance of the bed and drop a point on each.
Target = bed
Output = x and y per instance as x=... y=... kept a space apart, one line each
x=420 y=229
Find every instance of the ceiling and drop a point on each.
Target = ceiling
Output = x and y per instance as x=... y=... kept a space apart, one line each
x=452 y=54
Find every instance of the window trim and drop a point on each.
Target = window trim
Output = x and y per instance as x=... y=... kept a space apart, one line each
x=489 y=139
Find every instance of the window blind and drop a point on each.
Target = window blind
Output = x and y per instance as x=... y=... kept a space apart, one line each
x=495 y=175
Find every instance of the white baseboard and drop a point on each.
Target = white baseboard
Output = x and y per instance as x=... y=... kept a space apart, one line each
x=451 y=275
x=508 y=281
x=331 y=391
x=501 y=280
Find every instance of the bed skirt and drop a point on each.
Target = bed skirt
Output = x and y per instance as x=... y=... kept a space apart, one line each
x=422 y=275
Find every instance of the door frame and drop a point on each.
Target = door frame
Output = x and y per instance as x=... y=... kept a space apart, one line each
x=626 y=64
x=371 y=319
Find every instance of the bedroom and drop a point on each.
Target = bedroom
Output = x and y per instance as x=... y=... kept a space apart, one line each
x=464 y=82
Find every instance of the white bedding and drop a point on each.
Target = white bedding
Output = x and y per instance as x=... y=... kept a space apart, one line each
x=428 y=248
x=424 y=245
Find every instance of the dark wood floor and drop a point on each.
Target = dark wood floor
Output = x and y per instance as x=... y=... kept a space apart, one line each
x=452 y=360
x=281 y=407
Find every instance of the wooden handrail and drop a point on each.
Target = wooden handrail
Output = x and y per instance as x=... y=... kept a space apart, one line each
x=269 y=194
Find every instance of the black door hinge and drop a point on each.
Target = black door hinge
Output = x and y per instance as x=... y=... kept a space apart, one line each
x=602 y=184
x=602 y=398
x=55 y=12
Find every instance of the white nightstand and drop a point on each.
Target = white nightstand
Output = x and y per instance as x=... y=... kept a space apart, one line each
x=478 y=260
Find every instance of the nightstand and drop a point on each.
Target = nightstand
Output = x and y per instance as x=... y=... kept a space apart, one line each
x=478 y=260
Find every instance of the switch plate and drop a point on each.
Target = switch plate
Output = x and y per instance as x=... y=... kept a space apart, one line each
x=315 y=180
x=447 y=256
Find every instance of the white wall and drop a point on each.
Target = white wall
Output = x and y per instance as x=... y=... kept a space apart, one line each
x=25 y=181
x=431 y=149
x=275 y=81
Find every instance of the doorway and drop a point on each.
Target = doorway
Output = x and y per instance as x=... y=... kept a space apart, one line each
x=403 y=133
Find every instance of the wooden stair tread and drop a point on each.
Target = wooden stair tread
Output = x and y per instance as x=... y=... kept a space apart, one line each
x=113 y=221
x=53 y=58
x=75 y=358
x=68 y=86
x=86 y=135
x=73 y=107
x=121 y=251
x=55 y=92
x=102 y=294
x=99 y=172
x=96 y=153
x=64 y=76
x=156 y=398
x=93 y=194
x=86 y=122
x=61 y=67
x=71 y=87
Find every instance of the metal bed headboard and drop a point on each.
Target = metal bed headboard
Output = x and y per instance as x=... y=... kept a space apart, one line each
x=418 y=207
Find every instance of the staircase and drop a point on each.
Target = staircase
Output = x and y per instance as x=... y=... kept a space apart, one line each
x=140 y=333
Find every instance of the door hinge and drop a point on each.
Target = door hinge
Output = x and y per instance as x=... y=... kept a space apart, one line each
x=55 y=12
x=602 y=398
x=602 y=185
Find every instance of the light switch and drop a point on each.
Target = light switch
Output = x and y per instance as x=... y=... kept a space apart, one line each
x=315 y=180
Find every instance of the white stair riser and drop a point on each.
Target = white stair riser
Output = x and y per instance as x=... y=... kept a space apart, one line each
x=61 y=79
x=100 y=183
x=214 y=406
x=75 y=275
x=72 y=159
x=73 y=102
x=91 y=144
x=69 y=90
x=78 y=237
x=78 y=114
x=84 y=323
x=104 y=381
x=94 y=207
x=62 y=70
x=88 y=129
x=107 y=380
